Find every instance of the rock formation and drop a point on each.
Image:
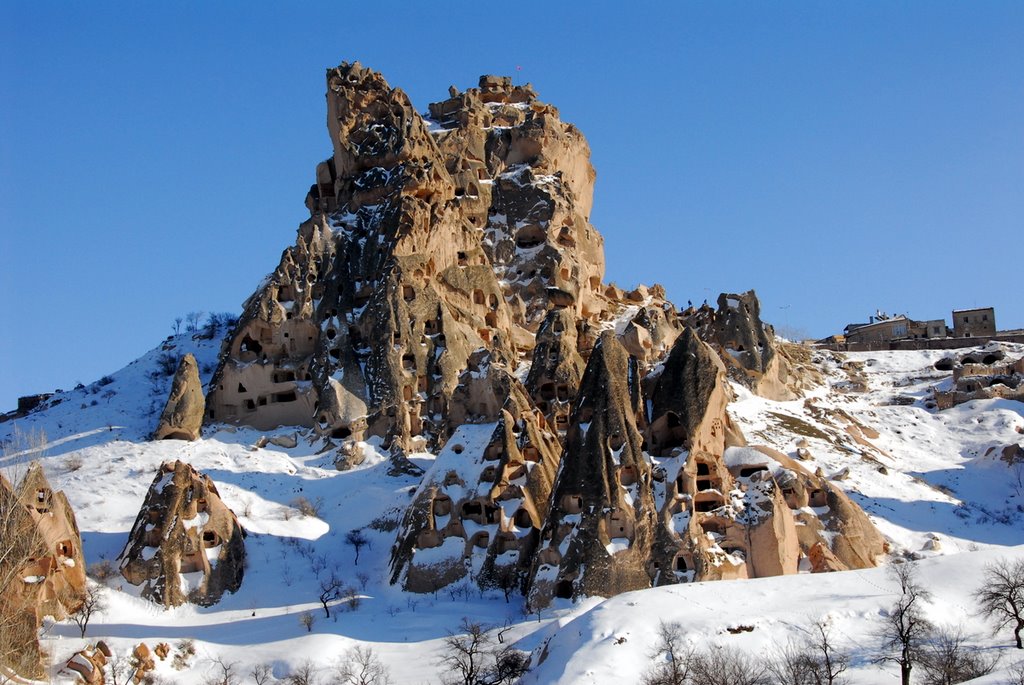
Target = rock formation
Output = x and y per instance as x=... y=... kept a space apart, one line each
x=981 y=374
x=430 y=241
x=749 y=348
x=182 y=417
x=446 y=293
x=42 y=571
x=599 y=533
x=479 y=510
x=185 y=545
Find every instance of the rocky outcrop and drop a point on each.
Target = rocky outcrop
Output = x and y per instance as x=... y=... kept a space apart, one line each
x=185 y=545
x=182 y=417
x=749 y=348
x=981 y=374
x=42 y=570
x=479 y=509
x=446 y=293
x=556 y=367
x=431 y=242
x=600 y=531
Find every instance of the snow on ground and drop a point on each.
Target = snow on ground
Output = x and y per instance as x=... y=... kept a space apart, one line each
x=931 y=481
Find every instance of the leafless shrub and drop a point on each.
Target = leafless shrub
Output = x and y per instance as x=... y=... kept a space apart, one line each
x=352 y=598
x=727 y=666
x=306 y=507
x=20 y=541
x=386 y=523
x=167 y=364
x=307 y=619
x=72 y=463
x=947 y=658
x=183 y=653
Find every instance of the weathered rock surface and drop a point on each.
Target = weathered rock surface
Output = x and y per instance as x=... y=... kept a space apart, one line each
x=749 y=348
x=42 y=570
x=429 y=243
x=479 y=509
x=182 y=417
x=982 y=374
x=599 y=533
x=185 y=545
x=446 y=293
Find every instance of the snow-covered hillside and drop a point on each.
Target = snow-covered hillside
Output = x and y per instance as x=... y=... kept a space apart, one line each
x=932 y=481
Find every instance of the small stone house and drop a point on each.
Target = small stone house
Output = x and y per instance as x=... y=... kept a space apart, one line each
x=978 y=322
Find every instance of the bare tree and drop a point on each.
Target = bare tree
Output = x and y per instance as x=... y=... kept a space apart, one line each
x=307 y=619
x=224 y=673
x=177 y=325
x=261 y=674
x=947 y=659
x=793 y=665
x=1001 y=596
x=1016 y=673
x=357 y=540
x=360 y=666
x=465 y=654
x=509 y=666
x=92 y=603
x=192 y=321
x=673 y=655
x=813 y=660
x=305 y=673
x=330 y=590
x=904 y=629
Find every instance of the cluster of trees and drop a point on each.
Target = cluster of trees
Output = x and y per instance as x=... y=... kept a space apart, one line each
x=215 y=323
x=936 y=656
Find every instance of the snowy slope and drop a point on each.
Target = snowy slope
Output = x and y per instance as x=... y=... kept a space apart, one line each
x=930 y=480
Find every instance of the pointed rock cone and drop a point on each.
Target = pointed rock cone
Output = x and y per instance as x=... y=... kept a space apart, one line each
x=182 y=417
x=186 y=545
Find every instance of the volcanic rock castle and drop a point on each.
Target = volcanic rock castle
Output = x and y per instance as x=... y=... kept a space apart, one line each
x=448 y=282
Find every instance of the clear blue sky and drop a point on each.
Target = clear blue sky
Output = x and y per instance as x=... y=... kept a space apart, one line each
x=837 y=157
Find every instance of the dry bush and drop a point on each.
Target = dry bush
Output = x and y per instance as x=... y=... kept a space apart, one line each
x=307 y=508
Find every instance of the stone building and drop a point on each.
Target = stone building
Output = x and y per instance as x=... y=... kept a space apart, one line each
x=977 y=322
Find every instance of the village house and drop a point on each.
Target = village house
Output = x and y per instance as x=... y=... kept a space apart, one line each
x=978 y=322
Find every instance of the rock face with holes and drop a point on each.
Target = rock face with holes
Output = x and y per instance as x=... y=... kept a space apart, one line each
x=434 y=247
x=598 y=538
x=479 y=508
x=748 y=347
x=186 y=545
x=446 y=293
x=42 y=568
x=182 y=417
x=984 y=373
